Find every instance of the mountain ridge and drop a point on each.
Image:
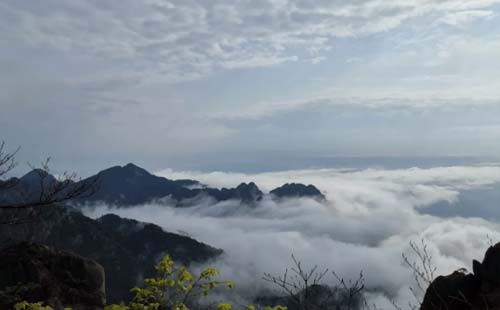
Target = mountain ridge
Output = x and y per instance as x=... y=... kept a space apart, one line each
x=126 y=248
x=131 y=185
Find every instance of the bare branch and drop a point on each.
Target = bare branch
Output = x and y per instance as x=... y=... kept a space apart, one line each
x=7 y=159
x=48 y=191
x=423 y=270
x=305 y=291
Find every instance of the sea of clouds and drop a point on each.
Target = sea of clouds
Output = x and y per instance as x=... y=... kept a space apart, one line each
x=367 y=222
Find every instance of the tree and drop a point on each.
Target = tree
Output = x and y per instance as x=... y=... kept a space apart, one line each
x=420 y=261
x=305 y=290
x=21 y=204
x=423 y=270
x=176 y=288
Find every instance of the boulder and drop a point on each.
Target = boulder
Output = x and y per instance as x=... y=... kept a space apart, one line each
x=489 y=273
x=461 y=291
x=489 y=269
x=455 y=291
x=34 y=272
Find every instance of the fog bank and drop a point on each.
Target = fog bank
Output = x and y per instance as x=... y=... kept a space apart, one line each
x=367 y=222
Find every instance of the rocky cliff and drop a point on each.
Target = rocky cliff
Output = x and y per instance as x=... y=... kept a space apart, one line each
x=35 y=272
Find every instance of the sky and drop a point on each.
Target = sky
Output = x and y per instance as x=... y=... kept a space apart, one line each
x=226 y=84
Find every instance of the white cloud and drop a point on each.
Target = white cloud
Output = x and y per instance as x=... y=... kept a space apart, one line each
x=163 y=77
x=368 y=98
x=463 y=17
x=367 y=223
x=188 y=39
x=434 y=70
x=426 y=186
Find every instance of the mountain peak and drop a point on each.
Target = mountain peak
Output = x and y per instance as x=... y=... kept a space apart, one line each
x=250 y=185
x=133 y=185
x=292 y=190
x=131 y=166
x=135 y=169
x=249 y=192
x=129 y=170
x=36 y=175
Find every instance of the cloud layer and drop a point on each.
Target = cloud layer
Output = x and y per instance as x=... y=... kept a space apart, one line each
x=188 y=39
x=366 y=225
x=155 y=81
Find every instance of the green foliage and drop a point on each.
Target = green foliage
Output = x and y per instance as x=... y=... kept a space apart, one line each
x=16 y=293
x=175 y=288
x=24 y=305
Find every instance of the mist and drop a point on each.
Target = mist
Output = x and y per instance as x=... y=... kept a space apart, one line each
x=367 y=222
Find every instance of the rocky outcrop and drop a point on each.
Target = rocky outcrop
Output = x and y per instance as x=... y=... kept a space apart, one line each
x=454 y=291
x=34 y=272
x=479 y=290
x=297 y=190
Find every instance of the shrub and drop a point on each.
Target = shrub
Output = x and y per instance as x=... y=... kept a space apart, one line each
x=176 y=288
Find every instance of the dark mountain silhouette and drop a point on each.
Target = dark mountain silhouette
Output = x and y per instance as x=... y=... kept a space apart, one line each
x=127 y=249
x=244 y=192
x=61 y=279
x=130 y=185
x=26 y=188
x=463 y=291
x=34 y=176
x=192 y=184
x=148 y=240
x=297 y=190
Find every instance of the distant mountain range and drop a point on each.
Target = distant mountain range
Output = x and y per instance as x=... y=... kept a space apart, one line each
x=126 y=248
x=130 y=185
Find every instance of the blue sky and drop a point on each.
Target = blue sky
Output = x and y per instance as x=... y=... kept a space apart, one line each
x=198 y=84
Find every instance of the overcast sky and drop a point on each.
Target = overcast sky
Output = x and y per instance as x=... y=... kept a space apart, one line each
x=187 y=84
